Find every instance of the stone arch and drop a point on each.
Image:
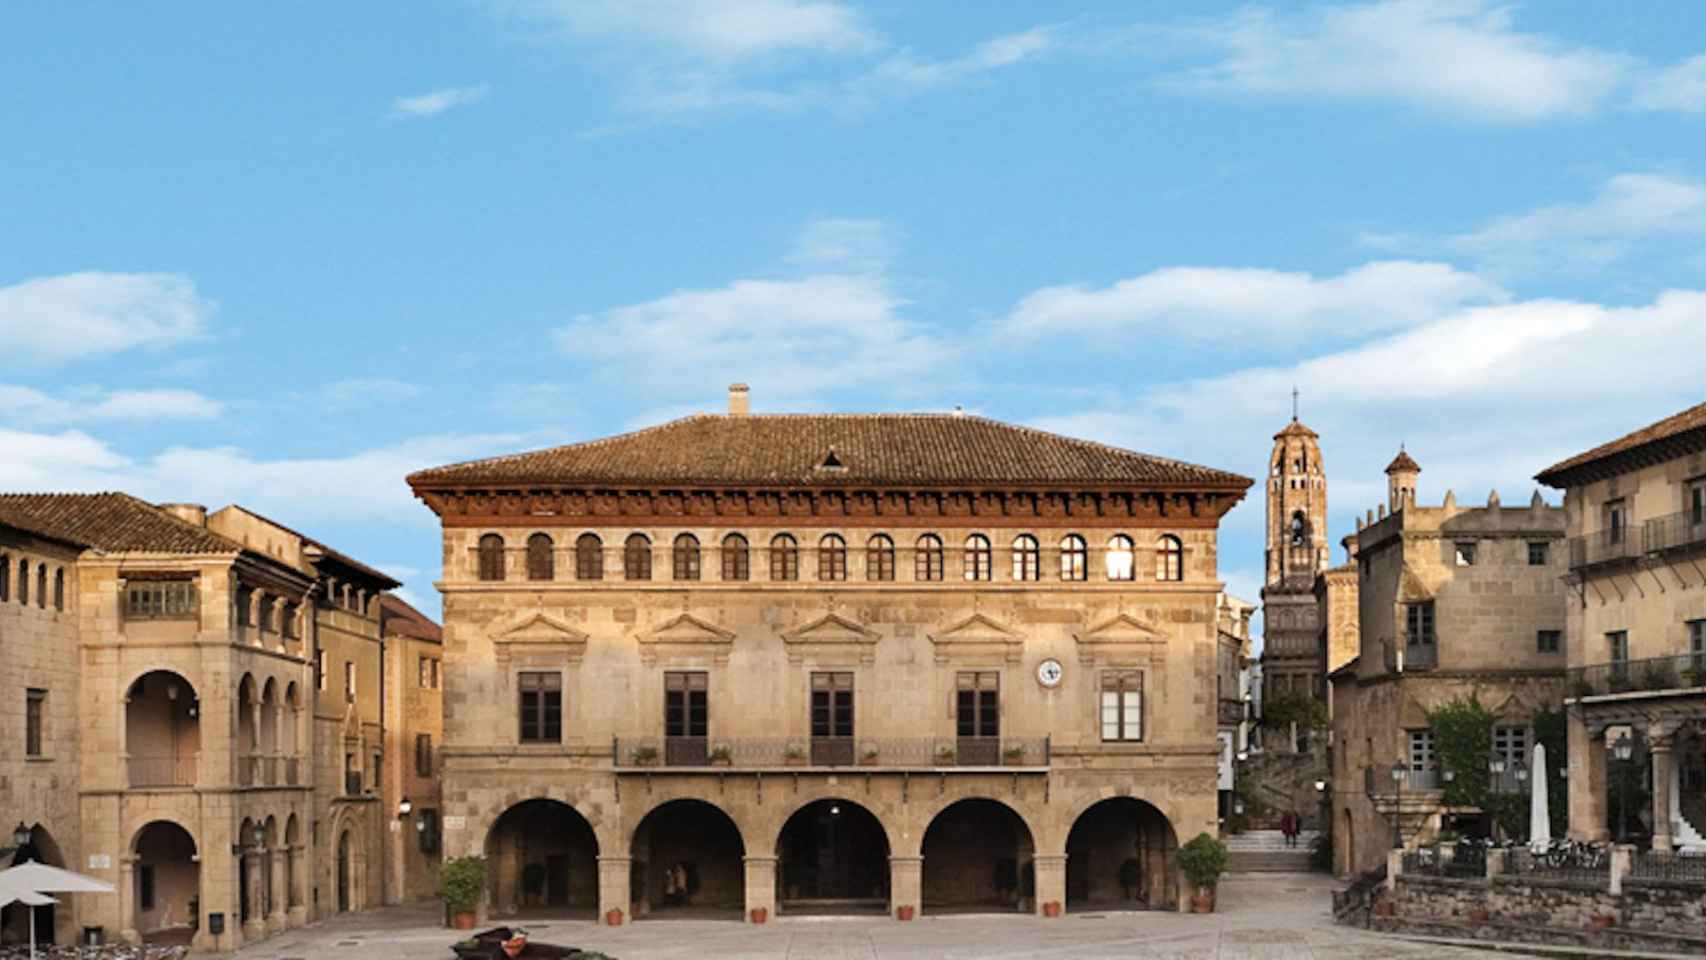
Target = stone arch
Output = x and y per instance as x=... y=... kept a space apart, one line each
x=1056 y=832
x=166 y=873
x=248 y=698
x=267 y=731
x=541 y=854
x=293 y=852
x=348 y=867
x=15 y=918
x=978 y=852
x=688 y=852
x=832 y=855
x=162 y=730
x=1122 y=852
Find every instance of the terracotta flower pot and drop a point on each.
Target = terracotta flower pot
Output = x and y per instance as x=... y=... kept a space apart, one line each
x=1480 y=915
x=1051 y=909
x=462 y=920
x=903 y=912
x=1600 y=921
x=1385 y=908
x=1202 y=901
x=613 y=917
x=760 y=914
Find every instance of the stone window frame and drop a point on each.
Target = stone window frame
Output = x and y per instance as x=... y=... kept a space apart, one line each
x=539 y=681
x=1027 y=558
x=832 y=557
x=35 y=722
x=736 y=558
x=879 y=558
x=1074 y=558
x=1549 y=641
x=1119 y=562
x=1539 y=553
x=929 y=559
x=1119 y=677
x=637 y=557
x=423 y=754
x=979 y=559
x=350 y=681
x=1464 y=553
x=685 y=557
x=589 y=557
x=1169 y=559
x=489 y=557
x=784 y=558
x=541 y=557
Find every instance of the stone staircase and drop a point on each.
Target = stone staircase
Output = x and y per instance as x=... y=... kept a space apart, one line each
x=1264 y=851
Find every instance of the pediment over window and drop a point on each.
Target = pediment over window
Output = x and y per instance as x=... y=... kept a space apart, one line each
x=687 y=638
x=1123 y=628
x=978 y=637
x=1123 y=640
x=831 y=639
x=538 y=637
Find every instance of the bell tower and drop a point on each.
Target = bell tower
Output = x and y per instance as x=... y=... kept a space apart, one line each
x=1298 y=547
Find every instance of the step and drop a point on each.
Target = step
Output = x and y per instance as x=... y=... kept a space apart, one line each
x=1291 y=861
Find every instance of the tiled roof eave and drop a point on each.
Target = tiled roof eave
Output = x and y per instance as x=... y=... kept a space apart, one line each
x=1233 y=483
x=1576 y=472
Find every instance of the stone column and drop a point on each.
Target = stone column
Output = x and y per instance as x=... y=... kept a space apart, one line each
x=295 y=892
x=255 y=927
x=906 y=884
x=276 y=920
x=127 y=901
x=1622 y=859
x=1662 y=764
x=760 y=886
x=1587 y=783
x=1051 y=881
x=613 y=891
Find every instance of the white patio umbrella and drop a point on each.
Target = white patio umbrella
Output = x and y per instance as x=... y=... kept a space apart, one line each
x=10 y=893
x=1539 y=812
x=32 y=878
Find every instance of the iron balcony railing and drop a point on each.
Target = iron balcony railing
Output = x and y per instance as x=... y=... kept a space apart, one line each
x=1377 y=780
x=1681 y=671
x=1657 y=535
x=751 y=753
x=162 y=771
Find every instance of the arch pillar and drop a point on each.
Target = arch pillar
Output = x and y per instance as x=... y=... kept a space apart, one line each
x=906 y=883
x=127 y=900
x=254 y=928
x=296 y=914
x=760 y=885
x=1051 y=881
x=613 y=892
x=276 y=919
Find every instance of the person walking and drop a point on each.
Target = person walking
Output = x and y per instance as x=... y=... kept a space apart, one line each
x=1288 y=827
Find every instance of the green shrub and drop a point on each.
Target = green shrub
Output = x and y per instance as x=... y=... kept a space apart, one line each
x=1203 y=860
x=461 y=881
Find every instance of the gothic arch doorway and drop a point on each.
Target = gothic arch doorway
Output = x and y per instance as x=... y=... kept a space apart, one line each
x=345 y=866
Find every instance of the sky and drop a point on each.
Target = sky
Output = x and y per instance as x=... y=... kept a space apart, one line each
x=283 y=254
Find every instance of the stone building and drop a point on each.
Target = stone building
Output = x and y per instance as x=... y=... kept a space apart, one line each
x=1233 y=690
x=1297 y=550
x=828 y=662
x=414 y=729
x=1453 y=602
x=176 y=736
x=1635 y=635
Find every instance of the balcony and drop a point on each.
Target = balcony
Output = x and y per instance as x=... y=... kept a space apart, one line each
x=1412 y=653
x=1377 y=780
x=773 y=753
x=1679 y=672
x=1658 y=535
x=1675 y=532
x=168 y=770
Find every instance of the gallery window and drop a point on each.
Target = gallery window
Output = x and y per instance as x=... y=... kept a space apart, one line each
x=736 y=558
x=637 y=558
x=686 y=557
x=1074 y=558
x=928 y=558
x=1121 y=559
x=832 y=558
x=1169 y=558
x=541 y=565
x=978 y=557
x=589 y=557
x=491 y=557
x=784 y=558
x=879 y=558
x=1027 y=558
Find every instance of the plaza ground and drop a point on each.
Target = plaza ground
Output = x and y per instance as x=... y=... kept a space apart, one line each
x=1268 y=916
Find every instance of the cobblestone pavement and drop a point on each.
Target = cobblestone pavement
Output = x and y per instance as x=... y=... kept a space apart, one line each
x=1262 y=917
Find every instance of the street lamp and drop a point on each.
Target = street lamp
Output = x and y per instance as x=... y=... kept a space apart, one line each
x=20 y=838
x=404 y=809
x=1623 y=749
x=1398 y=771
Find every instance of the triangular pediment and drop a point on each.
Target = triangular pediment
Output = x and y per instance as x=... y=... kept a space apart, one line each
x=538 y=627
x=686 y=628
x=1123 y=628
x=976 y=628
x=830 y=628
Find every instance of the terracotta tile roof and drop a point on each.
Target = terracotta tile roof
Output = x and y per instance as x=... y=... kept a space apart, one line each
x=1688 y=426
x=312 y=546
x=803 y=449
x=1403 y=461
x=401 y=617
x=110 y=522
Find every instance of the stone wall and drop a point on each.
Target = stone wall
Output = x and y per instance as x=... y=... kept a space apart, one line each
x=1645 y=916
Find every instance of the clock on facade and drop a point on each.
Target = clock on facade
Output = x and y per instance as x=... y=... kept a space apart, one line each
x=1049 y=672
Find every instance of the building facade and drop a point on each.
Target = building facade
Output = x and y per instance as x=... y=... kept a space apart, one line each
x=1297 y=550
x=773 y=663
x=173 y=741
x=1636 y=632
x=1454 y=603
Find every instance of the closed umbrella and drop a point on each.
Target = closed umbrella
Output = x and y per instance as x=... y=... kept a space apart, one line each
x=32 y=878
x=10 y=893
x=1539 y=811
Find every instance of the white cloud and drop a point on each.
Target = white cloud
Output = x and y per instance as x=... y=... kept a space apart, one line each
x=53 y=319
x=721 y=30
x=1477 y=395
x=367 y=391
x=791 y=339
x=27 y=405
x=438 y=101
x=904 y=75
x=368 y=484
x=862 y=245
x=1458 y=57
x=1629 y=207
x=1681 y=87
x=1239 y=304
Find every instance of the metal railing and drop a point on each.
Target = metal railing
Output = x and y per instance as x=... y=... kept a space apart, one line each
x=1606 y=546
x=1677 y=672
x=831 y=752
x=162 y=771
x=1669 y=867
x=1673 y=532
x=1657 y=535
x=1568 y=860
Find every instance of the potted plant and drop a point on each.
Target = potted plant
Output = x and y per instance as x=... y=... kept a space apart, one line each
x=1203 y=860
x=1014 y=754
x=944 y=756
x=613 y=917
x=869 y=757
x=1693 y=677
x=721 y=755
x=796 y=755
x=903 y=912
x=760 y=914
x=1131 y=876
x=645 y=756
x=1584 y=688
x=533 y=882
x=461 y=882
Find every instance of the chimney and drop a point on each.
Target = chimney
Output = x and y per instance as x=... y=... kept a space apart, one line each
x=738 y=401
x=193 y=513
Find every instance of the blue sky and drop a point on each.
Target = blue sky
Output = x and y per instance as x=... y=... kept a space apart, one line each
x=285 y=257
